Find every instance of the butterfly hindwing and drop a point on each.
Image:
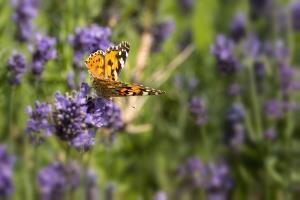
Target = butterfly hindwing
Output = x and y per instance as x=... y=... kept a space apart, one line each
x=119 y=89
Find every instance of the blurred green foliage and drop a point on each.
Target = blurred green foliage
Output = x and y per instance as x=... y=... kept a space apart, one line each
x=141 y=164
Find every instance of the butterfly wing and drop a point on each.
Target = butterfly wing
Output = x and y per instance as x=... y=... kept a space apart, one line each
x=106 y=88
x=115 y=58
x=96 y=64
x=107 y=65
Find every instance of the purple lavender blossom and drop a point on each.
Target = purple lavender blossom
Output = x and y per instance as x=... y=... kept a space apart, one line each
x=109 y=191
x=74 y=118
x=88 y=40
x=38 y=125
x=43 y=52
x=295 y=15
x=92 y=191
x=106 y=113
x=234 y=129
x=235 y=114
x=6 y=165
x=270 y=134
x=24 y=12
x=286 y=75
x=161 y=32
x=218 y=179
x=198 y=111
x=186 y=5
x=273 y=109
x=192 y=172
x=56 y=179
x=223 y=52
x=17 y=67
x=161 y=195
x=260 y=8
x=238 y=27
x=83 y=142
x=282 y=53
x=213 y=177
x=234 y=89
x=178 y=81
x=253 y=47
x=70 y=115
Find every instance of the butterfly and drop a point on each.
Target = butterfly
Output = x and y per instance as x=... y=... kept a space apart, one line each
x=105 y=66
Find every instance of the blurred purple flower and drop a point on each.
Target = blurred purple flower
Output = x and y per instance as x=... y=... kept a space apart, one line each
x=273 y=109
x=238 y=27
x=71 y=80
x=260 y=8
x=223 y=52
x=92 y=191
x=6 y=165
x=270 y=134
x=198 y=110
x=282 y=53
x=161 y=195
x=253 y=47
x=109 y=191
x=16 y=65
x=234 y=129
x=43 y=52
x=192 y=84
x=212 y=177
x=24 y=12
x=161 y=32
x=178 y=81
x=235 y=114
x=295 y=15
x=186 y=5
x=234 y=89
x=38 y=126
x=88 y=40
x=56 y=179
x=218 y=179
x=192 y=172
x=286 y=76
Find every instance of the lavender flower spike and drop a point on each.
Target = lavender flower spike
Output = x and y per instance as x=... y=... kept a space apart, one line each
x=6 y=165
x=43 y=52
x=55 y=179
x=223 y=52
x=17 y=67
x=38 y=125
x=24 y=12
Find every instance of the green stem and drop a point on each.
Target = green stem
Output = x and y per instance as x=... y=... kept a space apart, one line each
x=256 y=106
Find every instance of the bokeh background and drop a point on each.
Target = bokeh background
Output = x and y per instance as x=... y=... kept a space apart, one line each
x=227 y=127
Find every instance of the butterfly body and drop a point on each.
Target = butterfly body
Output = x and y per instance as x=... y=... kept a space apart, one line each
x=105 y=67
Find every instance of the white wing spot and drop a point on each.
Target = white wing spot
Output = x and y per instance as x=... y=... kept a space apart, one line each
x=122 y=62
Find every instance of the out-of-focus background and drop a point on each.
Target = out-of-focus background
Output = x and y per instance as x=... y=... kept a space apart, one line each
x=227 y=127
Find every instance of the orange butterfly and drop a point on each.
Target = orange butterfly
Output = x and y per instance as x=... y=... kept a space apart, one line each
x=105 y=67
